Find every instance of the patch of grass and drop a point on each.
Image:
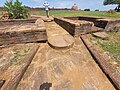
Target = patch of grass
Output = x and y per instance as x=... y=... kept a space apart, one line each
x=112 y=45
x=63 y=13
x=18 y=55
x=0 y=14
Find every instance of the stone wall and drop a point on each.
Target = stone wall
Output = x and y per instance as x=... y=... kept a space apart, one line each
x=75 y=27
x=108 y=24
x=16 y=21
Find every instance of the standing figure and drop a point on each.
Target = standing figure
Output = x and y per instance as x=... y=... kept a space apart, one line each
x=46 y=8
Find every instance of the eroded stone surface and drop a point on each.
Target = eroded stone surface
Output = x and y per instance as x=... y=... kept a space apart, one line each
x=66 y=69
x=101 y=35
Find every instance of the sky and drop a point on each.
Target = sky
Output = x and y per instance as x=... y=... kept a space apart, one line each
x=82 y=4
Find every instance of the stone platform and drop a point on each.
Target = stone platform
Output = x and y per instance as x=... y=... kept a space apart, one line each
x=22 y=33
x=75 y=27
x=108 y=24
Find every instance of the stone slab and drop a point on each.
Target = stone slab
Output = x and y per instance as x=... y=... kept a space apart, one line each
x=101 y=35
x=65 y=69
x=22 y=33
x=61 y=41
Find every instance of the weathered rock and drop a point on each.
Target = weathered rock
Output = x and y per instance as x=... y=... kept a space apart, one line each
x=44 y=18
x=40 y=22
x=101 y=35
x=60 y=41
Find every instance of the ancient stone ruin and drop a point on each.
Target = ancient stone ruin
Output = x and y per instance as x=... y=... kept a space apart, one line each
x=55 y=53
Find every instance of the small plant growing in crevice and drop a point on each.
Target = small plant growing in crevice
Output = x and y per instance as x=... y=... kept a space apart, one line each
x=16 y=10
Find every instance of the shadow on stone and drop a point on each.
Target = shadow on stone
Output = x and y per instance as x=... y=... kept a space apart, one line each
x=2 y=83
x=45 y=86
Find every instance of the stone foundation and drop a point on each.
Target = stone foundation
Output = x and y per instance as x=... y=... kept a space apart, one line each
x=75 y=27
x=6 y=23
x=106 y=23
x=22 y=34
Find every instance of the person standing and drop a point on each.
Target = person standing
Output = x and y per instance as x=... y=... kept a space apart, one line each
x=46 y=5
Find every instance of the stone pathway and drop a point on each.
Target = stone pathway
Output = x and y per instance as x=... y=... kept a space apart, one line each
x=57 y=36
x=66 y=69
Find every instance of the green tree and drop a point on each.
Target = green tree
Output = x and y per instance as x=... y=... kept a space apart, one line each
x=107 y=2
x=16 y=10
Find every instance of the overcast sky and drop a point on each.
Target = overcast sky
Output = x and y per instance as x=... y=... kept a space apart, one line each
x=82 y=4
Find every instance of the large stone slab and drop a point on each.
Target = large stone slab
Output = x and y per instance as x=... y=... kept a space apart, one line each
x=22 y=33
x=65 y=69
x=75 y=27
x=61 y=41
x=101 y=35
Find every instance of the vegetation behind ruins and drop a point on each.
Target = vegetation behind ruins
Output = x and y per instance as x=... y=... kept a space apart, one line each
x=63 y=13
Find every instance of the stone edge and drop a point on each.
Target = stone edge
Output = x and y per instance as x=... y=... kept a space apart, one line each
x=107 y=69
x=13 y=82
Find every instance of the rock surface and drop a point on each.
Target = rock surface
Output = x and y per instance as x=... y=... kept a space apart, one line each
x=101 y=35
x=44 y=18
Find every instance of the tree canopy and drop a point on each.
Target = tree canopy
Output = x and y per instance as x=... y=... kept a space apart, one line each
x=107 y=2
x=16 y=10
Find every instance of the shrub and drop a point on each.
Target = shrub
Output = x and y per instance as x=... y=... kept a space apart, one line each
x=16 y=10
x=86 y=9
x=97 y=10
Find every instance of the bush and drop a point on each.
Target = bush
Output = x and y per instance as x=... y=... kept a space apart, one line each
x=86 y=9
x=16 y=10
x=97 y=10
